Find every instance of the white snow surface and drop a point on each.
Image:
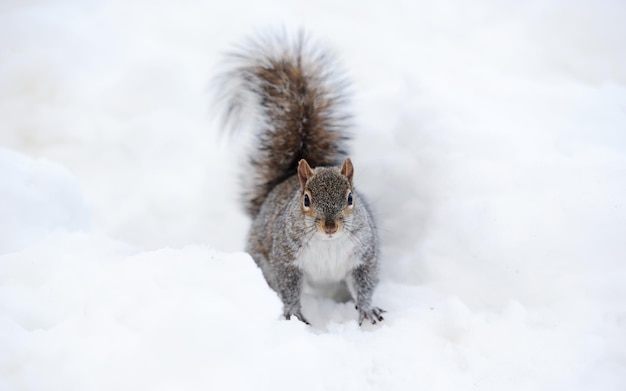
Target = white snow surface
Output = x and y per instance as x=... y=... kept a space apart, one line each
x=489 y=137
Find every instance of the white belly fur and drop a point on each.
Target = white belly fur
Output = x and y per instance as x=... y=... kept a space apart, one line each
x=327 y=260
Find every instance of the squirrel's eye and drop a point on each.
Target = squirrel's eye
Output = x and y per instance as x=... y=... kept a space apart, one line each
x=349 y=199
x=307 y=201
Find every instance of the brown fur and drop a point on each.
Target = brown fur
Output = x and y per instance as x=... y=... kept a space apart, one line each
x=299 y=96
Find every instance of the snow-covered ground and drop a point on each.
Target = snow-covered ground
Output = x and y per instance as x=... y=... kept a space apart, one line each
x=490 y=138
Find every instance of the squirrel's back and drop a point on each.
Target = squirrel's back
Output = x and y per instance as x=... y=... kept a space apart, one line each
x=295 y=93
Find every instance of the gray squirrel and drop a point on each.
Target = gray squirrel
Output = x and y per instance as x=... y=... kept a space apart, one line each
x=310 y=227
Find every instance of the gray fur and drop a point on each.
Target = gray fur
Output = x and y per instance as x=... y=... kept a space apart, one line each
x=328 y=241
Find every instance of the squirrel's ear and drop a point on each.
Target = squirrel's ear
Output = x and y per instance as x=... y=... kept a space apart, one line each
x=304 y=172
x=347 y=169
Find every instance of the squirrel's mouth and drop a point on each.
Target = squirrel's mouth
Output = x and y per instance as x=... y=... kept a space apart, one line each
x=326 y=236
x=329 y=228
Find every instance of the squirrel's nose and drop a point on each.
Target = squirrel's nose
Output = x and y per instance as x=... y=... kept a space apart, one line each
x=330 y=227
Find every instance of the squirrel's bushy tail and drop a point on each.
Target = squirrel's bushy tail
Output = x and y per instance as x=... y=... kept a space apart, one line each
x=295 y=93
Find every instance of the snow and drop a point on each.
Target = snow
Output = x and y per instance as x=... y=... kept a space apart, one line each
x=38 y=197
x=489 y=138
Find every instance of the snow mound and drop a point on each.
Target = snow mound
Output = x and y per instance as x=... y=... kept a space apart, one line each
x=100 y=315
x=37 y=197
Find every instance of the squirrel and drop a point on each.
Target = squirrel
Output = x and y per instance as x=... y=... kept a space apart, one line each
x=310 y=227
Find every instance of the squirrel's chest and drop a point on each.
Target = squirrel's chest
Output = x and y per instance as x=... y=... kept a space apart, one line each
x=328 y=260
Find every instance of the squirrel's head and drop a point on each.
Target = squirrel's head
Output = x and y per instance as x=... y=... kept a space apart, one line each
x=327 y=198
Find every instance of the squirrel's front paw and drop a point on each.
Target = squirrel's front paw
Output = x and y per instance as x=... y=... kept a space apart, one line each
x=373 y=314
x=297 y=313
